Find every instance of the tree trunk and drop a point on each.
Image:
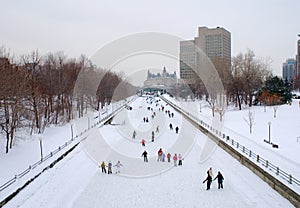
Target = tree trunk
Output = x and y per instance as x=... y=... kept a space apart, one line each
x=36 y=115
x=7 y=142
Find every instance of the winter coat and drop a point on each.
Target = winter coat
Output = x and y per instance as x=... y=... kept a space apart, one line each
x=175 y=158
x=210 y=172
x=103 y=165
x=145 y=154
x=179 y=157
x=208 y=179
x=219 y=177
x=118 y=165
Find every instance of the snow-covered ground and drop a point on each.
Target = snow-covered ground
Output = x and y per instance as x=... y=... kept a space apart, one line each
x=284 y=131
x=77 y=181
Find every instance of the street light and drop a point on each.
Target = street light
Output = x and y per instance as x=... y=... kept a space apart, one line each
x=269 y=123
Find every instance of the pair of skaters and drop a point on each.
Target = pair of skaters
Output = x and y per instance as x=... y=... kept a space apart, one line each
x=209 y=179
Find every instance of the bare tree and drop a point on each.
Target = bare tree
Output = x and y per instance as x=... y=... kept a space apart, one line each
x=221 y=106
x=247 y=77
x=31 y=64
x=250 y=119
x=43 y=90
x=11 y=102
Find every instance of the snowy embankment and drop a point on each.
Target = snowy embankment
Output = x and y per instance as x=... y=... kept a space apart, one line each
x=284 y=131
x=77 y=181
x=23 y=162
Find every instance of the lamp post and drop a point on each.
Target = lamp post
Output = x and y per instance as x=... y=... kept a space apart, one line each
x=269 y=123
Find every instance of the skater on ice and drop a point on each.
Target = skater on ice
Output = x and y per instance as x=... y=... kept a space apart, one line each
x=159 y=155
x=177 y=129
x=118 y=166
x=157 y=129
x=220 y=180
x=169 y=157
x=180 y=160
x=134 y=134
x=103 y=165
x=109 y=171
x=208 y=181
x=145 y=153
x=175 y=160
x=152 y=136
x=163 y=157
x=143 y=142
x=210 y=172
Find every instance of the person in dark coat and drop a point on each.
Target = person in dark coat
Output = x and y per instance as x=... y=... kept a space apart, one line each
x=220 y=179
x=208 y=180
x=169 y=157
x=152 y=136
x=134 y=134
x=109 y=167
x=177 y=129
x=145 y=153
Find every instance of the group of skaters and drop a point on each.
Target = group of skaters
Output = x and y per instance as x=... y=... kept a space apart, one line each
x=209 y=179
x=162 y=157
x=143 y=142
x=176 y=128
x=109 y=166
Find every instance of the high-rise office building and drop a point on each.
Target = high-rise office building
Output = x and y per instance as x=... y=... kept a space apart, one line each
x=214 y=42
x=289 y=70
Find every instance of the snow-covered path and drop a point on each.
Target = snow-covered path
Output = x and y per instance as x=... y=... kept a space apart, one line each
x=78 y=182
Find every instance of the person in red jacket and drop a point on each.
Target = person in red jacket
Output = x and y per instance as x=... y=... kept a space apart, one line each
x=159 y=155
x=175 y=159
x=143 y=142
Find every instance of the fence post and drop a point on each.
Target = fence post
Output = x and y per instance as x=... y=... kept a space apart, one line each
x=257 y=158
x=290 y=179
x=267 y=163
x=243 y=148
x=232 y=142
x=250 y=153
x=72 y=132
x=277 y=171
x=41 y=148
x=237 y=145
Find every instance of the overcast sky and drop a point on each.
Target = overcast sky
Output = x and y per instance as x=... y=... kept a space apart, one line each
x=268 y=27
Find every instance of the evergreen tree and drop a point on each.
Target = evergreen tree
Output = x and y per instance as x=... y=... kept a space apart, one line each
x=275 y=91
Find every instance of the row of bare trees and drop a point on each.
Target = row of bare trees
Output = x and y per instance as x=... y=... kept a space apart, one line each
x=242 y=77
x=246 y=77
x=37 y=91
